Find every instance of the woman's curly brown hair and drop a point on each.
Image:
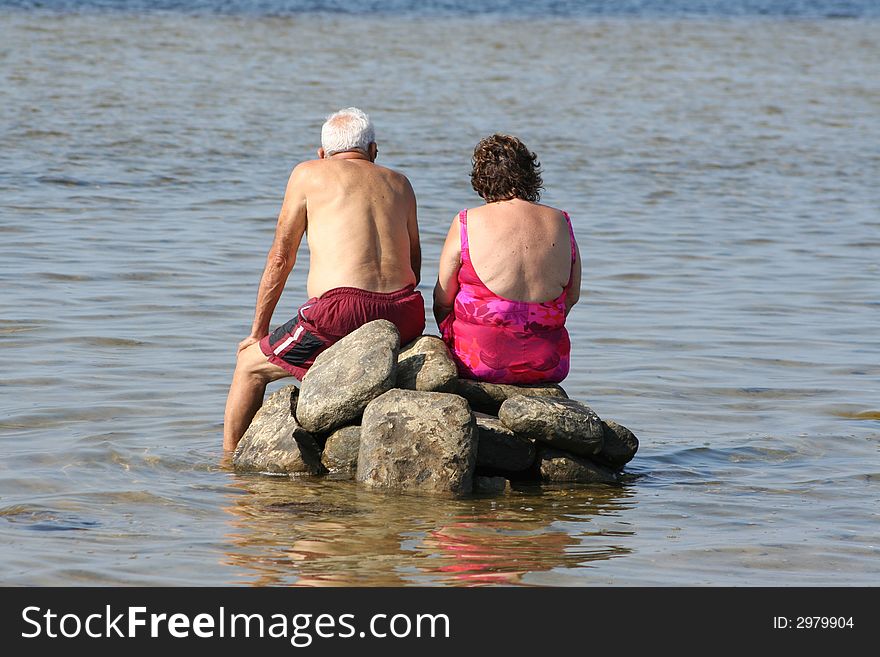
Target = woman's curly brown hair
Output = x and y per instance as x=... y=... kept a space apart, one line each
x=503 y=169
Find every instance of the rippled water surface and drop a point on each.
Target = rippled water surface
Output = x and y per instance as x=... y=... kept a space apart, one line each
x=722 y=176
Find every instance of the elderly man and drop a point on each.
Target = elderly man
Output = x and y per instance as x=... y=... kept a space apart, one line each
x=360 y=222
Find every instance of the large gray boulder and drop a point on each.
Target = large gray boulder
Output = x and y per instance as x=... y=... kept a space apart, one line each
x=348 y=376
x=562 y=467
x=275 y=442
x=498 y=448
x=488 y=397
x=418 y=441
x=425 y=365
x=562 y=423
x=341 y=450
x=619 y=445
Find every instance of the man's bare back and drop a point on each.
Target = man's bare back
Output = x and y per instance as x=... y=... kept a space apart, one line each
x=361 y=224
x=360 y=219
x=362 y=231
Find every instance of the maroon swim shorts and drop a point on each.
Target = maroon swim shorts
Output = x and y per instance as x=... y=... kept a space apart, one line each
x=323 y=320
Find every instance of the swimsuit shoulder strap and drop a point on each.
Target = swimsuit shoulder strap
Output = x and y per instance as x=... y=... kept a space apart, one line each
x=570 y=236
x=573 y=249
x=462 y=223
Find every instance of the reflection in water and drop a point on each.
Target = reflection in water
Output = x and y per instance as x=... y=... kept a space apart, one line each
x=325 y=532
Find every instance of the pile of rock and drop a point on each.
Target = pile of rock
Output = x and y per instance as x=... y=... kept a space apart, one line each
x=402 y=419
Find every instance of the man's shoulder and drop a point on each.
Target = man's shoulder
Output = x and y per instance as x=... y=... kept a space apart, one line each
x=393 y=175
x=314 y=171
x=308 y=173
x=306 y=167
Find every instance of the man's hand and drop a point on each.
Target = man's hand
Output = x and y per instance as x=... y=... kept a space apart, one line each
x=247 y=342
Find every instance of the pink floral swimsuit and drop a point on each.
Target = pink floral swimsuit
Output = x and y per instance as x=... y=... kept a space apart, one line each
x=504 y=341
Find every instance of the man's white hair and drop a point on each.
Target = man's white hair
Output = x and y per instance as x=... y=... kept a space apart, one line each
x=347 y=130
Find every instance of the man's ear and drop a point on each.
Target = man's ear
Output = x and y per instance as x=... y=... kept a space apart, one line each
x=374 y=151
x=320 y=153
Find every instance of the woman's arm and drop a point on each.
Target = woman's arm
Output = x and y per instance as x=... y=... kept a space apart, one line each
x=447 y=279
x=574 y=289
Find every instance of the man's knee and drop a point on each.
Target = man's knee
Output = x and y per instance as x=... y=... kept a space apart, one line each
x=250 y=359
x=254 y=364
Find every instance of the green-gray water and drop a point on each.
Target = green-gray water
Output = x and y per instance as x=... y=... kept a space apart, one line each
x=722 y=177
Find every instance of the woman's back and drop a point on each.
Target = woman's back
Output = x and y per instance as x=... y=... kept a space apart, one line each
x=509 y=273
x=520 y=250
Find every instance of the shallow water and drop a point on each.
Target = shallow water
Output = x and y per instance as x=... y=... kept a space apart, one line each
x=721 y=174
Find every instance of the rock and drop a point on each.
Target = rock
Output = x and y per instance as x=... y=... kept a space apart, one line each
x=498 y=448
x=341 y=450
x=425 y=364
x=421 y=441
x=558 y=466
x=619 y=445
x=275 y=442
x=562 y=423
x=488 y=397
x=490 y=484
x=348 y=376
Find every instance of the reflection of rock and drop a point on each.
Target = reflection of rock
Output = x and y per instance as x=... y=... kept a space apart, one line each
x=423 y=441
x=501 y=449
x=341 y=450
x=559 y=466
x=347 y=376
x=322 y=526
x=489 y=484
x=488 y=397
x=619 y=446
x=275 y=442
x=563 y=423
x=425 y=365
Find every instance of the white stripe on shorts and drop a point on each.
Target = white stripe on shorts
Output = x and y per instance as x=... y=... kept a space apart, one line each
x=283 y=345
x=293 y=338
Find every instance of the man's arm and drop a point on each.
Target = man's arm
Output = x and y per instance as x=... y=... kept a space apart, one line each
x=447 y=279
x=574 y=290
x=415 y=248
x=282 y=255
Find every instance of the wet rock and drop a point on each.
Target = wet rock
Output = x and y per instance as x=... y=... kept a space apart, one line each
x=490 y=484
x=488 y=397
x=425 y=365
x=499 y=448
x=348 y=376
x=421 y=441
x=562 y=423
x=341 y=450
x=563 y=467
x=275 y=442
x=619 y=445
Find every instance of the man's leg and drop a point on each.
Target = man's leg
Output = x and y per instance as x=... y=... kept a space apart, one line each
x=252 y=374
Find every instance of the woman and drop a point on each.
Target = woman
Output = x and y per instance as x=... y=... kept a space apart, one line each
x=509 y=273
